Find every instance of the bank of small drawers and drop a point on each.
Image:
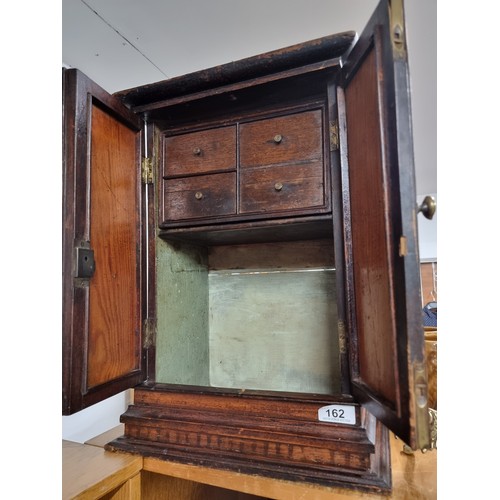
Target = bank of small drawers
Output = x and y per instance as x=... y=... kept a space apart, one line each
x=265 y=166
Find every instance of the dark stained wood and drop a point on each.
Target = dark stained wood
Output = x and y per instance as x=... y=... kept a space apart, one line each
x=322 y=49
x=236 y=430
x=371 y=236
x=298 y=139
x=244 y=100
x=200 y=196
x=295 y=143
x=279 y=255
x=91 y=314
x=335 y=117
x=296 y=161
x=69 y=99
x=275 y=189
x=150 y=222
x=253 y=231
x=200 y=152
x=385 y=319
x=225 y=95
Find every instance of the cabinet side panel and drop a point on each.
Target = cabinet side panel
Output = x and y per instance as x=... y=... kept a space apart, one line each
x=370 y=239
x=182 y=353
x=114 y=305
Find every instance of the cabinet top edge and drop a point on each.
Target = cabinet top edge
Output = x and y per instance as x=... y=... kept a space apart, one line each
x=313 y=51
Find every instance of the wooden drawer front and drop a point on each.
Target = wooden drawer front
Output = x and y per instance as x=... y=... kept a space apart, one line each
x=281 y=188
x=200 y=196
x=200 y=152
x=286 y=139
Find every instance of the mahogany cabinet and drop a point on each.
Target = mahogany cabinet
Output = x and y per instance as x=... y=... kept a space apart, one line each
x=240 y=246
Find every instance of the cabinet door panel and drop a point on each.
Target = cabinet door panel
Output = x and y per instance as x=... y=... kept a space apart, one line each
x=386 y=332
x=102 y=308
x=113 y=310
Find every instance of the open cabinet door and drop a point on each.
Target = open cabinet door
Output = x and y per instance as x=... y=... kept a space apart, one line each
x=386 y=338
x=102 y=283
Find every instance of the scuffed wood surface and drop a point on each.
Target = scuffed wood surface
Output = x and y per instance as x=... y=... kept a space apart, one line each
x=414 y=478
x=90 y=472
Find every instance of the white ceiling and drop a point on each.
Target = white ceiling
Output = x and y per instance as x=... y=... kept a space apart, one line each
x=125 y=43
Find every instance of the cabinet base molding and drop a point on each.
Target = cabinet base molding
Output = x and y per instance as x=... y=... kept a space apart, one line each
x=259 y=434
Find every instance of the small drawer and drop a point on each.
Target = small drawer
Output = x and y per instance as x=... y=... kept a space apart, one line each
x=201 y=152
x=282 y=188
x=285 y=139
x=200 y=196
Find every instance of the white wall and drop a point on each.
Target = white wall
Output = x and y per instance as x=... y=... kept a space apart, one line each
x=96 y=419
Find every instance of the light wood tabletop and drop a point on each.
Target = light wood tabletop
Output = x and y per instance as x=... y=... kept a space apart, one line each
x=90 y=472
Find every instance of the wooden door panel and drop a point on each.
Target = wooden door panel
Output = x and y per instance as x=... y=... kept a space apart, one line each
x=387 y=349
x=113 y=306
x=371 y=235
x=102 y=311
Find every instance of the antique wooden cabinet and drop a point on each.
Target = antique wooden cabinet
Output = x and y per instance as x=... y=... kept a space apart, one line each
x=240 y=246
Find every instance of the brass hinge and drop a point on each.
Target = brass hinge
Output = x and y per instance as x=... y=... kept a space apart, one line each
x=148 y=333
x=398 y=28
x=403 y=246
x=147 y=171
x=422 y=414
x=334 y=135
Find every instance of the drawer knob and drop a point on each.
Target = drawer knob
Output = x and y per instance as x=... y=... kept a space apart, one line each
x=198 y=195
x=278 y=138
x=197 y=151
x=278 y=186
x=428 y=207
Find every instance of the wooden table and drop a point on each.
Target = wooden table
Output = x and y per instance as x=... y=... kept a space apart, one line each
x=90 y=472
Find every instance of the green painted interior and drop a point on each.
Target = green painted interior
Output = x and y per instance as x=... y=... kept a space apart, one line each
x=182 y=355
x=274 y=330
x=264 y=329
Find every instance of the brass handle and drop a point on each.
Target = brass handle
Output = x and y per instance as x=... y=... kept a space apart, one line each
x=197 y=151
x=278 y=138
x=278 y=186
x=428 y=207
x=198 y=195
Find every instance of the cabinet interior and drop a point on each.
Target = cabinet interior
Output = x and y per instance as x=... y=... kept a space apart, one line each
x=258 y=316
x=246 y=299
